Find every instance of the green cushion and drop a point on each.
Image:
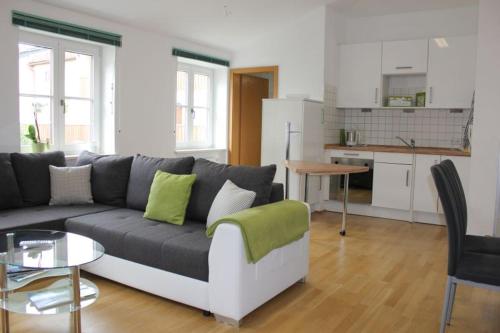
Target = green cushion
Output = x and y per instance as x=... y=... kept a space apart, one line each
x=169 y=197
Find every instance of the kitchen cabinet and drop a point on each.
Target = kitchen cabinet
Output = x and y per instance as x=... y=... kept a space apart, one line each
x=404 y=57
x=360 y=75
x=392 y=182
x=451 y=72
x=462 y=164
x=425 y=197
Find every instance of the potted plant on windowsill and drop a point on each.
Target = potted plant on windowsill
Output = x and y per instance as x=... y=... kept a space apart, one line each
x=37 y=146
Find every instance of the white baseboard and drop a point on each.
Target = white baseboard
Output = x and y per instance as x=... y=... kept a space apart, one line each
x=387 y=213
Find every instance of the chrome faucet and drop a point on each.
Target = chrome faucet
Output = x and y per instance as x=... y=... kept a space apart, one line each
x=410 y=145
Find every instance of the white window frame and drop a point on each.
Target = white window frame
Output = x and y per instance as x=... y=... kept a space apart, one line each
x=192 y=70
x=59 y=46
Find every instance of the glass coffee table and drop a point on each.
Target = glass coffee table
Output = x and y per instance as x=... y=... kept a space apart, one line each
x=40 y=274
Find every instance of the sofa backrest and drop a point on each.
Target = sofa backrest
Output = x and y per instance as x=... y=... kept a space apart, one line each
x=142 y=174
x=33 y=177
x=109 y=178
x=10 y=196
x=210 y=177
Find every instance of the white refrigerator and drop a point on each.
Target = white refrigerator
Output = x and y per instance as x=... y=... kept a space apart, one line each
x=306 y=124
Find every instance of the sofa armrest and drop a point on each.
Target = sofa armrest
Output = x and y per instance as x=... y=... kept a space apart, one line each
x=237 y=287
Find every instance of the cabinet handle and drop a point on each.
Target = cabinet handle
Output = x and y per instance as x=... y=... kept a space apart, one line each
x=407 y=178
x=322 y=115
x=376 y=95
x=404 y=67
x=351 y=154
x=430 y=94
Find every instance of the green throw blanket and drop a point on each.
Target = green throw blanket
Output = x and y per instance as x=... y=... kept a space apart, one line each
x=268 y=227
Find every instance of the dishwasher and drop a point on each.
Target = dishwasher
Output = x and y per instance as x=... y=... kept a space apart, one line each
x=360 y=184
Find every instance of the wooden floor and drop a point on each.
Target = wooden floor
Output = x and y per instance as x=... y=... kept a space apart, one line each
x=384 y=276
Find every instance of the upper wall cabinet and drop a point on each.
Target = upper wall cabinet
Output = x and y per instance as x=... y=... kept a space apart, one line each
x=404 y=57
x=451 y=72
x=360 y=75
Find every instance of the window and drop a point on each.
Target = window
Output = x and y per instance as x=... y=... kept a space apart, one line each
x=58 y=92
x=194 y=110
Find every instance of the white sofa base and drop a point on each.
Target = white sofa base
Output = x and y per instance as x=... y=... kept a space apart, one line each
x=234 y=288
x=176 y=287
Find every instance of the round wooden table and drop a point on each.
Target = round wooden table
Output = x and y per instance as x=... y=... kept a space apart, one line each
x=307 y=169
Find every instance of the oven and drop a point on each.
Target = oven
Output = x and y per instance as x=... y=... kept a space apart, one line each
x=360 y=184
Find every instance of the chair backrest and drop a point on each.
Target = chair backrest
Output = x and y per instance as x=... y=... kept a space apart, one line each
x=450 y=200
x=452 y=173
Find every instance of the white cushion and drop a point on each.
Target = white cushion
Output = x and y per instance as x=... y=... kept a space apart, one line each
x=70 y=185
x=230 y=199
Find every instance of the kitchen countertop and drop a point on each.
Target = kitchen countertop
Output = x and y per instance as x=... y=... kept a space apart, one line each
x=401 y=149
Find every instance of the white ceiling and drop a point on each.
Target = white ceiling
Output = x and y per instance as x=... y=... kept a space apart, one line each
x=202 y=21
x=360 y=8
x=230 y=24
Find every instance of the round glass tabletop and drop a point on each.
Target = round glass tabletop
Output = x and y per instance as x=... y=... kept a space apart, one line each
x=46 y=249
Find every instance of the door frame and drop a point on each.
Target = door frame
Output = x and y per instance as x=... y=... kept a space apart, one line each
x=235 y=105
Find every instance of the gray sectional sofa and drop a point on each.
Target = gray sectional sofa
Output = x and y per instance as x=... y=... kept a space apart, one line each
x=177 y=255
x=120 y=187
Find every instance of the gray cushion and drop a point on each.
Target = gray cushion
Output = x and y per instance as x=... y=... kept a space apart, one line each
x=277 y=193
x=110 y=174
x=45 y=217
x=143 y=171
x=10 y=197
x=210 y=177
x=125 y=234
x=33 y=177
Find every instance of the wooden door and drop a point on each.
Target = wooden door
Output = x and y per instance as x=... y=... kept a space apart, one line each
x=251 y=92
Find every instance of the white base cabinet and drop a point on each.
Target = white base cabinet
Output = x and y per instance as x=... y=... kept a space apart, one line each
x=392 y=181
x=425 y=196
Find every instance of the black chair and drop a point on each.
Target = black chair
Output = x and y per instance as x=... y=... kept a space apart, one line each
x=472 y=268
x=472 y=243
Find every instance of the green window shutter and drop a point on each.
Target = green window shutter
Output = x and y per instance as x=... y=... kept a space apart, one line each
x=66 y=29
x=201 y=57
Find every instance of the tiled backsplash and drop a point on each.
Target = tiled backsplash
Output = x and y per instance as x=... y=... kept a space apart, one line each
x=429 y=127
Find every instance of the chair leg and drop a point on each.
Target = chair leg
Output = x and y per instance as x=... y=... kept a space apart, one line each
x=446 y=304
x=451 y=301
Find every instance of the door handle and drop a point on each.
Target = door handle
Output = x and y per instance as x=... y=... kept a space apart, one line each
x=407 y=178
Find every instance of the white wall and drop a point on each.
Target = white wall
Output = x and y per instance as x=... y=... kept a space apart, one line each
x=145 y=82
x=484 y=201
x=298 y=50
x=412 y=25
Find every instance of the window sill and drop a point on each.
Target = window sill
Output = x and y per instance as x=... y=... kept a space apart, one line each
x=198 y=150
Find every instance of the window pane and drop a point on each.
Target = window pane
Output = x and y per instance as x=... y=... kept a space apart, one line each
x=200 y=125
x=201 y=88
x=77 y=75
x=182 y=88
x=35 y=70
x=77 y=120
x=29 y=108
x=181 y=124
